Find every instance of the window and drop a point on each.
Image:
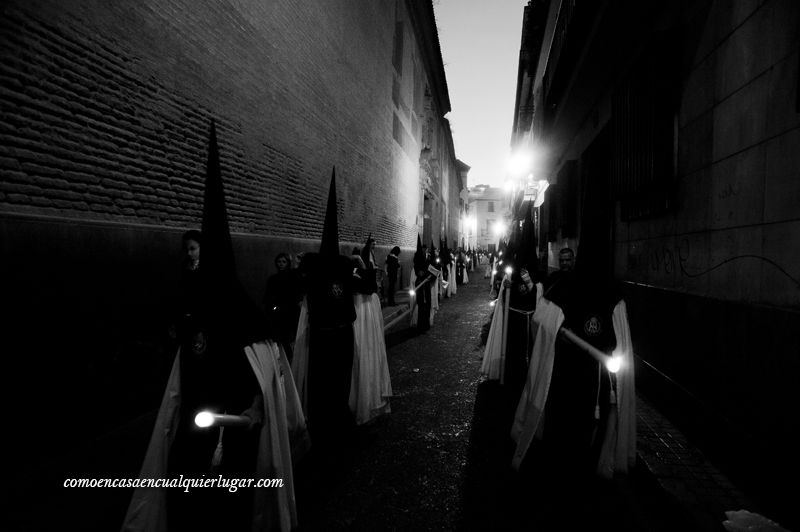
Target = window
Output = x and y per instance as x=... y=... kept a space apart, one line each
x=491 y=206
x=644 y=138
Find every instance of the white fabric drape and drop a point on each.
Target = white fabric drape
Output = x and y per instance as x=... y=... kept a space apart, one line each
x=618 y=452
x=300 y=356
x=490 y=367
x=370 y=385
x=530 y=409
x=273 y=509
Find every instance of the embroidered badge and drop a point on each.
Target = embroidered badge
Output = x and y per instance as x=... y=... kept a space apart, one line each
x=337 y=290
x=592 y=326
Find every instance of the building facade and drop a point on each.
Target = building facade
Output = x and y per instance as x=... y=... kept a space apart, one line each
x=489 y=215
x=670 y=133
x=106 y=112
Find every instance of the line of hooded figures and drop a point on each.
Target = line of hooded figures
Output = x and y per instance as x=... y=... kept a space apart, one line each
x=249 y=391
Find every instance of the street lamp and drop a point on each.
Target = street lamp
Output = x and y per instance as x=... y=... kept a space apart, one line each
x=520 y=163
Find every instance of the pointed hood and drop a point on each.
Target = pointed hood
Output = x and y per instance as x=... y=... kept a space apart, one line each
x=229 y=312
x=509 y=256
x=217 y=251
x=329 y=246
x=526 y=252
x=419 y=256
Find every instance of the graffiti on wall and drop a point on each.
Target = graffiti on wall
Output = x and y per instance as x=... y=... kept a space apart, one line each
x=677 y=259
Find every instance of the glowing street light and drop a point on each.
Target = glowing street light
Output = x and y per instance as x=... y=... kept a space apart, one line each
x=520 y=162
x=499 y=228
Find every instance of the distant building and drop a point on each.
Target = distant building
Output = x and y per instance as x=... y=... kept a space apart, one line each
x=669 y=132
x=489 y=212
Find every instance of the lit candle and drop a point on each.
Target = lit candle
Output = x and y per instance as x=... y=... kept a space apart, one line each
x=207 y=419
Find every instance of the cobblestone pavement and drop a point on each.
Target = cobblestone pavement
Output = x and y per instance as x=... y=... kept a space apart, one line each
x=441 y=459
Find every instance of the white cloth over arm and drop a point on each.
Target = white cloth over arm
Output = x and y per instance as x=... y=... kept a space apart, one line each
x=490 y=367
x=273 y=509
x=300 y=357
x=530 y=409
x=295 y=415
x=619 y=452
x=148 y=507
x=370 y=383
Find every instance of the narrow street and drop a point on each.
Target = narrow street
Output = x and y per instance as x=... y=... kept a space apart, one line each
x=441 y=459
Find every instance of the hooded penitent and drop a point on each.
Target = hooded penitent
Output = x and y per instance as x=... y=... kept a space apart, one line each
x=421 y=313
x=420 y=261
x=329 y=273
x=525 y=255
x=227 y=307
x=331 y=314
x=224 y=365
x=570 y=399
x=447 y=252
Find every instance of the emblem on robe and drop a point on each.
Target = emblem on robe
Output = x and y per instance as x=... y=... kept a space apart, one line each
x=198 y=343
x=592 y=326
x=337 y=290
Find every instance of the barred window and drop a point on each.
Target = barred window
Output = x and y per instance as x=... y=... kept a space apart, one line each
x=644 y=137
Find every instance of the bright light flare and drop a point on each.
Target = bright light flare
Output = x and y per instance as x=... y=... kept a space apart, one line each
x=494 y=272
x=492 y=302
x=204 y=419
x=412 y=293
x=509 y=270
x=520 y=162
x=499 y=228
x=613 y=363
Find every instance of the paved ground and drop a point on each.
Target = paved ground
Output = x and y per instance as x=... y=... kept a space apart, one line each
x=441 y=459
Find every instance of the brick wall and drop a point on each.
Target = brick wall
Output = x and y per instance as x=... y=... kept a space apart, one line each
x=106 y=110
x=106 y=107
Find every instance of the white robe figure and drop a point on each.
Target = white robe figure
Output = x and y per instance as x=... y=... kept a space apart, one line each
x=452 y=285
x=618 y=452
x=436 y=290
x=273 y=509
x=370 y=385
x=490 y=367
